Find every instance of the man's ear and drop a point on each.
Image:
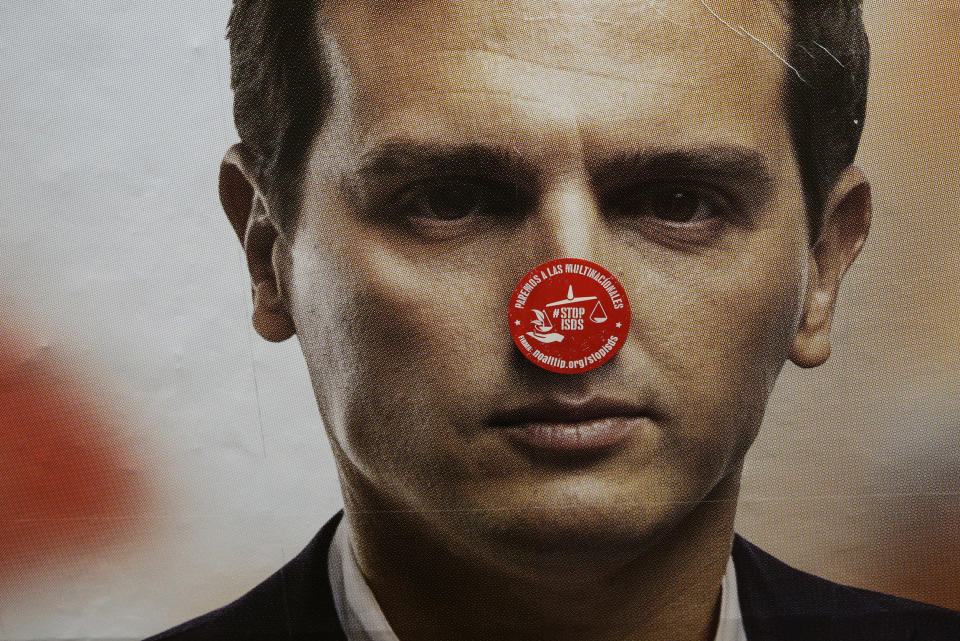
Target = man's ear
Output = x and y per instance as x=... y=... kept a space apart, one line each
x=845 y=225
x=246 y=208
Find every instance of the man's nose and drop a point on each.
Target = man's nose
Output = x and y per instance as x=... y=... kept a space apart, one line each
x=567 y=222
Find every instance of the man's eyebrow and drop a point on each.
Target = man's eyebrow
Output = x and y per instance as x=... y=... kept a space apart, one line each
x=722 y=163
x=402 y=157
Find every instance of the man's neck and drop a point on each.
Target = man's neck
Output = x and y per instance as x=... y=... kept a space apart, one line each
x=669 y=590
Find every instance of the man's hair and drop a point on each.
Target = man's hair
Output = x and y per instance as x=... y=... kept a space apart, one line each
x=282 y=88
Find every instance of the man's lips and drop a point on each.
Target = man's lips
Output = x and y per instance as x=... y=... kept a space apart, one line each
x=581 y=437
x=572 y=428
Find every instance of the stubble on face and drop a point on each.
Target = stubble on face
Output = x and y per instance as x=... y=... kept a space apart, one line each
x=403 y=325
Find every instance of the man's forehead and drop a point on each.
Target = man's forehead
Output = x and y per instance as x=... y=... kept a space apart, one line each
x=598 y=36
x=550 y=75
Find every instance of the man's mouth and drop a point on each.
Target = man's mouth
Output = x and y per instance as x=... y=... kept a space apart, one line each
x=572 y=429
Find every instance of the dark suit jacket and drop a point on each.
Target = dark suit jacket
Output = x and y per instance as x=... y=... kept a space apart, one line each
x=778 y=603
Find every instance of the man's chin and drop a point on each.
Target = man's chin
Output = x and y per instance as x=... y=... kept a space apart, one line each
x=562 y=526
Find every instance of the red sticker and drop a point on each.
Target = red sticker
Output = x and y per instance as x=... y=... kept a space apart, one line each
x=569 y=315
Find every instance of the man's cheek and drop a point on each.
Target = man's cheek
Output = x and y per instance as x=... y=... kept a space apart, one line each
x=431 y=310
x=730 y=329
x=754 y=326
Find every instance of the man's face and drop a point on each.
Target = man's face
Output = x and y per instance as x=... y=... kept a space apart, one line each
x=475 y=140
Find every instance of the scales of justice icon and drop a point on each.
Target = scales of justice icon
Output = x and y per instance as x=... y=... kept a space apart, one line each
x=598 y=315
x=544 y=328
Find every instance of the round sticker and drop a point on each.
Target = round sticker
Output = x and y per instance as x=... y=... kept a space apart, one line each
x=569 y=315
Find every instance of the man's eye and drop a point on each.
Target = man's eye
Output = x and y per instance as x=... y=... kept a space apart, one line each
x=447 y=200
x=673 y=205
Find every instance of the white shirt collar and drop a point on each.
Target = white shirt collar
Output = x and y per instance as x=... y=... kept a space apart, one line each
x=363 y=620
x=360 y=614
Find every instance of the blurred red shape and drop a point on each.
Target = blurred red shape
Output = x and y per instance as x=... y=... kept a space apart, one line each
x=67 y=485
